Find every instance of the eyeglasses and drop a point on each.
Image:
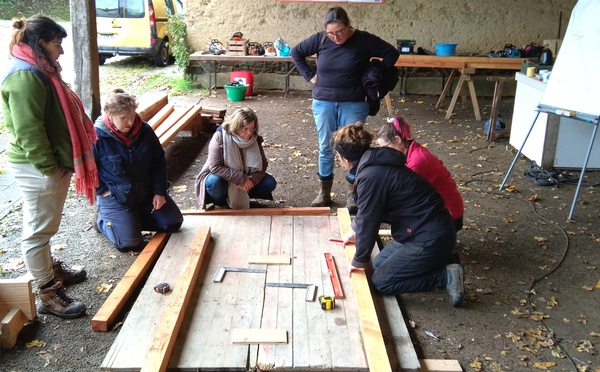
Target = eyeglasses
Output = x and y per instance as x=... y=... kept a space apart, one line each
x=337 y=33
x=247 y=130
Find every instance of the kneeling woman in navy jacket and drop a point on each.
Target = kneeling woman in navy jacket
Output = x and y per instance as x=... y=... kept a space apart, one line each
x=422 y=230
x=132 y=170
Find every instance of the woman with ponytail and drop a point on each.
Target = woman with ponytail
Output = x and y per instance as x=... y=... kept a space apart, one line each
x=397 y=134
x=423 y=236
x=50 y=139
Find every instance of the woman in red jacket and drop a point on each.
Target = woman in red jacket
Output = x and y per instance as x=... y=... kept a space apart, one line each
x=397 y=134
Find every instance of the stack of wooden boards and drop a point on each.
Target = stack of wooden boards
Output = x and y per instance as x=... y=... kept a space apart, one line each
x=168 y=120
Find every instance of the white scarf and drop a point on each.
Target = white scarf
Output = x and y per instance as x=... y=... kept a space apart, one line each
x=249 y=161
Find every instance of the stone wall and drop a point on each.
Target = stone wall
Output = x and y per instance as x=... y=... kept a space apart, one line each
x=477 y=26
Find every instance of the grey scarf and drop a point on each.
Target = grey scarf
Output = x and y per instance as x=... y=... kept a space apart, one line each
x=248 y=160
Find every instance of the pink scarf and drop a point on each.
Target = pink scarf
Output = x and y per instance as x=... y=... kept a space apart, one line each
x=80 y=126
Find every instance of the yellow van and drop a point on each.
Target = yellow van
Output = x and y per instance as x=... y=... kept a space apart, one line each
x=135 y=27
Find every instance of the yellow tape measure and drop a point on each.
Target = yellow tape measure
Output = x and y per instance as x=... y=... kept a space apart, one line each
x=327 y=302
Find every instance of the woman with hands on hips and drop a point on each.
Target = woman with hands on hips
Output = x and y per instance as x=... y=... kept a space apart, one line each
x=132 y=168
x=386 y=191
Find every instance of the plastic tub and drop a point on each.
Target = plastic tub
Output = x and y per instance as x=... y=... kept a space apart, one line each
x=236 y=93
x=244 y=77
x=445 y=49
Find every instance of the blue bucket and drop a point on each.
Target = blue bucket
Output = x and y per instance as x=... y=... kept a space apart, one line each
x=445 y=49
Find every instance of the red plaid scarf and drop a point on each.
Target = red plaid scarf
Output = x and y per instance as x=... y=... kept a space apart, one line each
x=80 y=126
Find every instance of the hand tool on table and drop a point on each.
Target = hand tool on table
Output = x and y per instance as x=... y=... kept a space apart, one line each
x=311 y=289
x=327 y=302
x=218 y=278
x=333 y=275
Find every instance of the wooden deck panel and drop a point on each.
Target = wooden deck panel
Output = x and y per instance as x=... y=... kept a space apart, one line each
x=318 y=339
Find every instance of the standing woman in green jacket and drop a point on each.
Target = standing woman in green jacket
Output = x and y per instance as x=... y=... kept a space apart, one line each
x=50 y=139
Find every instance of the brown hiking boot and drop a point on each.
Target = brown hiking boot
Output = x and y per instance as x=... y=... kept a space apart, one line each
x=66 y=275
x=55 y=301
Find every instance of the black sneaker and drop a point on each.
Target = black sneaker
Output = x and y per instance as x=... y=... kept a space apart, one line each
x=455 y=283
x=54 y=301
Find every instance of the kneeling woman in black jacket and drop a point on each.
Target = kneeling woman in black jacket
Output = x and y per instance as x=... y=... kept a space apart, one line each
x=422 y=230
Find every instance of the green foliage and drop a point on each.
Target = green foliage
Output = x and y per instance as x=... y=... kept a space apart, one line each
x=178 y=42
x=177 y=85
x=55 y=9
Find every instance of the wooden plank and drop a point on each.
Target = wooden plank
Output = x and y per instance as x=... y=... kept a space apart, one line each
x=440 y=365
x=106 y=315
x=157 y=358
x=150 y=104
x=160 y=116
x=181 y=124
x=270 y=259
x=374 y=343
x=214 y=112
x=10 y=327
x=131 y=345
x=259 y=336
x=406 y=60
x=17 y=294
x=401 y=351
x=175 y=116
x=277 y=313
x=308 y=211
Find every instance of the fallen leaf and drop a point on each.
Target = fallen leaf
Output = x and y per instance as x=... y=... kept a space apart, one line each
x=585 y=346
x=476 y=364
x=35 y=343
x=58 y=247
x=541 y=239
x=543 y=365
x=182 y=188
x=104 y=288
x=587 y=288
x=512 y=189
x=533 y=198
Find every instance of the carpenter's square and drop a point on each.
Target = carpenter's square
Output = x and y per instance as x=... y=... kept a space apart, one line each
x=311 y=289
x=218 y=278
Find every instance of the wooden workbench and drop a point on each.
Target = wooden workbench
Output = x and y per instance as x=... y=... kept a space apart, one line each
x=466 y=66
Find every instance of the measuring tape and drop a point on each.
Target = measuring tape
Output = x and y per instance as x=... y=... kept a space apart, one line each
x=327 y=302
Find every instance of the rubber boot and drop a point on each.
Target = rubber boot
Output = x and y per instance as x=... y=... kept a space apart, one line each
x=324 y=197
x=350 y=202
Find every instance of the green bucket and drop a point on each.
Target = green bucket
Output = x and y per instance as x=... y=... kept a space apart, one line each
x=236 y=93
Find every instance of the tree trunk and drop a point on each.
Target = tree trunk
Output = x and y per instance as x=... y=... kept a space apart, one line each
x=85 y=47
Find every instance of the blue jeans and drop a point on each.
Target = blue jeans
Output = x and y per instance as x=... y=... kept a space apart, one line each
x=123 y=224
x=329 y=117
x=414 y=266
x=216 y=189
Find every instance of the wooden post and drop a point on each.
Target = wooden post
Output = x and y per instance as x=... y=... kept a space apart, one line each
x=85 y=60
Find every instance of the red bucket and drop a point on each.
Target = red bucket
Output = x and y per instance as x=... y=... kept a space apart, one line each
x=245 y=77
